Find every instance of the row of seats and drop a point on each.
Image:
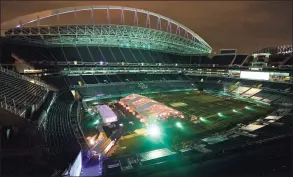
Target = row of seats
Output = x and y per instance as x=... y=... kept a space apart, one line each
x=113 y=55
x=59 y=132
x=270 y=92
x=266 y=96
x=75 y=120
x=127 y=88
x=45 y=108
x=95 y=79
x=56 y=80
x=281 y=87
x=19 y=93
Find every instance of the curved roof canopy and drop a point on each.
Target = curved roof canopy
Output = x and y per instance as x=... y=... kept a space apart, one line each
x=285 y=49
x=147 y=30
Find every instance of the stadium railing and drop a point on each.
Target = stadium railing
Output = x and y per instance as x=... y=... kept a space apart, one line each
x=25 y=78
x=75 y=110
x=19 y=94
x=59 y=132
x=10 y=108
x=43 y=117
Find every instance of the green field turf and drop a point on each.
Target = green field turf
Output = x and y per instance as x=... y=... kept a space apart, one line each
x=217 y=112
x=201 y=105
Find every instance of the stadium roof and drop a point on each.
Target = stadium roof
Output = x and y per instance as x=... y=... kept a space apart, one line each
x=285 y=49
x=147 y=30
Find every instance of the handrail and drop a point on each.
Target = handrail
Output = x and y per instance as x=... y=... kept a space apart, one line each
x=44 y=114
x=33 y=81
x=78 y=118
x=12 y=109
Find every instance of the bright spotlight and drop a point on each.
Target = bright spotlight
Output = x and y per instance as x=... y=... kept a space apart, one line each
x=178 y=124
x=96 y=122
x=154 y=130
x=247 y=107
x=234 y=110
x=220 y=114
x=92 y=142
x=202 y=119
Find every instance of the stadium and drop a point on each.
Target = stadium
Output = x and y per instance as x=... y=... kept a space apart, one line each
x=132 y=92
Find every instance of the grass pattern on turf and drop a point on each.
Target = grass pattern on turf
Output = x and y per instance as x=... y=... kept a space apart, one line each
x=200 y=105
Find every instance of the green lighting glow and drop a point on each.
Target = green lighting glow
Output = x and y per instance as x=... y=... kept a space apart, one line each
x=234 y=110
x=250 y=108
x=178 y=124
x=96 y=122
x=204 y=120
x=154 y=130
x=220 y=114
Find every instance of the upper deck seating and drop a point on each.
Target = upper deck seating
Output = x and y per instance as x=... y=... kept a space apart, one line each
x=18 y=93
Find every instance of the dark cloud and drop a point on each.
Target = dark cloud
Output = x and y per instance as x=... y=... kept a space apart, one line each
x=244 y=25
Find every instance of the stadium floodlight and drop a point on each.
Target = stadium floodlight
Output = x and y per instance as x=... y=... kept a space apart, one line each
x=154 y=130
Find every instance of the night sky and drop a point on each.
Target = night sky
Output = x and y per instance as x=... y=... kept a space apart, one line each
x=242 y=25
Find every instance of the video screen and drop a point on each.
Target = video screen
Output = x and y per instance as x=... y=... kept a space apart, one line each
x=255 y=75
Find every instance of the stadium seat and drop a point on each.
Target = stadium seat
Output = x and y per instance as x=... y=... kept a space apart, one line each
x=223 y=59
x=19 y=93
x=59 y=132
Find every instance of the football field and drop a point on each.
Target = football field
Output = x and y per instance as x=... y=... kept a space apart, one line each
x=204 y=115
x=209 y=113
